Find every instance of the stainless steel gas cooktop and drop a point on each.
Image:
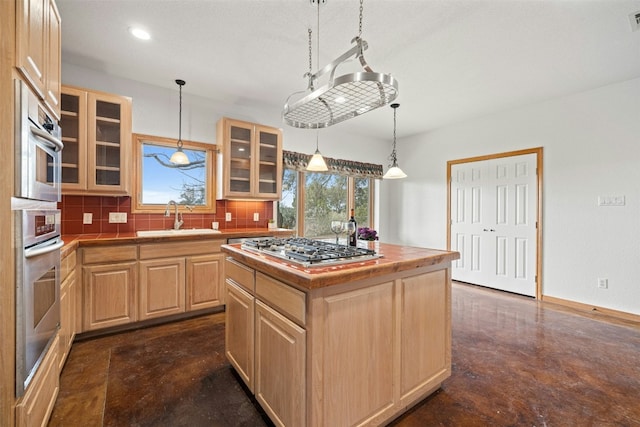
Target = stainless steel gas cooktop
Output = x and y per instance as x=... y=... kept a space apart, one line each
x=309 y=252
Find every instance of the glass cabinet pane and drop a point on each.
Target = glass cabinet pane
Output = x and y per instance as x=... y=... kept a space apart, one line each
x=70 y=124
x=107 y=140
x=240 y=159
x=267 y=167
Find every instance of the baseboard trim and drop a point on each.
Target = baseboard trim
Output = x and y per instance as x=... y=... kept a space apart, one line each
x=593 y=309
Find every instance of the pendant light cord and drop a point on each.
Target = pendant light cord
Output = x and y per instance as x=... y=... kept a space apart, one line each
x=394 y=157
x=180 y=83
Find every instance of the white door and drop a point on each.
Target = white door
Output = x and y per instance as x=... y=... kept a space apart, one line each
x=493 y=223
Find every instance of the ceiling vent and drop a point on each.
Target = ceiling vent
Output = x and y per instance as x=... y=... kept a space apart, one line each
x=635 y=21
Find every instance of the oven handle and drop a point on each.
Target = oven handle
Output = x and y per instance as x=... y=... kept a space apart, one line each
x=40 y=250
x=53 y=141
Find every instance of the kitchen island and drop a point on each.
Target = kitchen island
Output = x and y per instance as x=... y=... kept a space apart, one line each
x=340 y=345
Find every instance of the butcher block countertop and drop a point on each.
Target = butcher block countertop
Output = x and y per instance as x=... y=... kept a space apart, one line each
x=395 y=259
x=73 y=241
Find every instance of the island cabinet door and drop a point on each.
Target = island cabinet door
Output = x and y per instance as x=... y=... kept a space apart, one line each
x=358 y=357
x=426 y=331
x=280 y=367
x=239 y=331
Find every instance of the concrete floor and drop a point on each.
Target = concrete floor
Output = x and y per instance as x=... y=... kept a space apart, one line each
x=516 y=362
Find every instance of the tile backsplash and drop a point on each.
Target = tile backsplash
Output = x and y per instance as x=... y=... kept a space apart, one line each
x=74 y=207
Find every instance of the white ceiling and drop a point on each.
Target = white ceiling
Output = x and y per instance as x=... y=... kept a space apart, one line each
x=454 y=59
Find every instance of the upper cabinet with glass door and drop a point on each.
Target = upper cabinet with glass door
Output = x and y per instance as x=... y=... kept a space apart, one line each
x=96 y=131
x=250 y=162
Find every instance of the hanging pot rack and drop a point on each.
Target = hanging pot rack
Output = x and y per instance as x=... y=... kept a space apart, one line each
x=342 y=97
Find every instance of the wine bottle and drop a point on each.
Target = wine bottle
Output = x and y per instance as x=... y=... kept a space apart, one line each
x=353 y=237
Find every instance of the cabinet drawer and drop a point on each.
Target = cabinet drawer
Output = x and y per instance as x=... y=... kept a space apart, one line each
x=240 y=274
x=175 y=249
x=284 y=298
x=108 y=254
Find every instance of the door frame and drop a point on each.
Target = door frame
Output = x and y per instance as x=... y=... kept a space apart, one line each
x=538 y=151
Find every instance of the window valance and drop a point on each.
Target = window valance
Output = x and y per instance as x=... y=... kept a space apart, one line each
x=299 y=162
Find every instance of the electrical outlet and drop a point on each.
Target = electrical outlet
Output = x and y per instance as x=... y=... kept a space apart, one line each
x=227 y=216
x=603 y=283
x=117 y=217
x=87 y=218
x=256 y=217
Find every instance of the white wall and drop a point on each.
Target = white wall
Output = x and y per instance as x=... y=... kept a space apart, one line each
x=591 y=146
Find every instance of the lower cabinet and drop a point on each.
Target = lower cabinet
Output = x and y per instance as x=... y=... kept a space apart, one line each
x=128 y=283
x=239 y=312
x=190 y=279
x=109 y=277
x=353 y=354
x=109 y=295
x=279 y=366
x=262 y=342
x=68 y=290
x=205 y=277
x=68 y=303
x=161 y=287
x=34 y=408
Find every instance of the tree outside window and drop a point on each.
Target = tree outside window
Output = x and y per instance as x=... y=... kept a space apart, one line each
x=157 y=180
x=326 y=198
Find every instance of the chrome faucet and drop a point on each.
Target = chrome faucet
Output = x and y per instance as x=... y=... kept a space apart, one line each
x=179 y=219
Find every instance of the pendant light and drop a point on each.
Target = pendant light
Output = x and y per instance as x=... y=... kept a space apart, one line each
x=394 y=171
x=317 y=163
x=179 y=158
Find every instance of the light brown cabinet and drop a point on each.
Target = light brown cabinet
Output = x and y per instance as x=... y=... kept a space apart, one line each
x=54 y=42
x=205 y=279
x=96 y=131
x=250 y=162
x=128 y=283
x=353 y=354
x=109 y=278
x=38 y=49
x=280 y=358
x=263 y=343
x=239 y=329
x=34 y=408
x=68 y=306
x=180 y=276
x=161 y=287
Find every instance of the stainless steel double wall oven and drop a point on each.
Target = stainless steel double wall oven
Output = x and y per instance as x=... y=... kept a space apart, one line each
x=37 y=229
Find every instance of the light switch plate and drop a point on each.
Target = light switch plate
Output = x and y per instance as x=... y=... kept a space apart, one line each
x=87 y=218
x=256 y=217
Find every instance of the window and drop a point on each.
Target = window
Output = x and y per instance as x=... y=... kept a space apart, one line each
x=325 y=200
x=326 y=197
x=157 y=181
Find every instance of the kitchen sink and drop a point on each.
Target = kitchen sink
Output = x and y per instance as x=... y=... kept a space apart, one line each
x=181 y=232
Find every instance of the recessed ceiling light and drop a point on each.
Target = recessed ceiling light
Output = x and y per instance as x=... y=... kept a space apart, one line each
x=139 y=33
x=340 y=100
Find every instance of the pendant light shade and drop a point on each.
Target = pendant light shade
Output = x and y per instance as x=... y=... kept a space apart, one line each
x=317 y=163
x=394 y=171
x=178 y=157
